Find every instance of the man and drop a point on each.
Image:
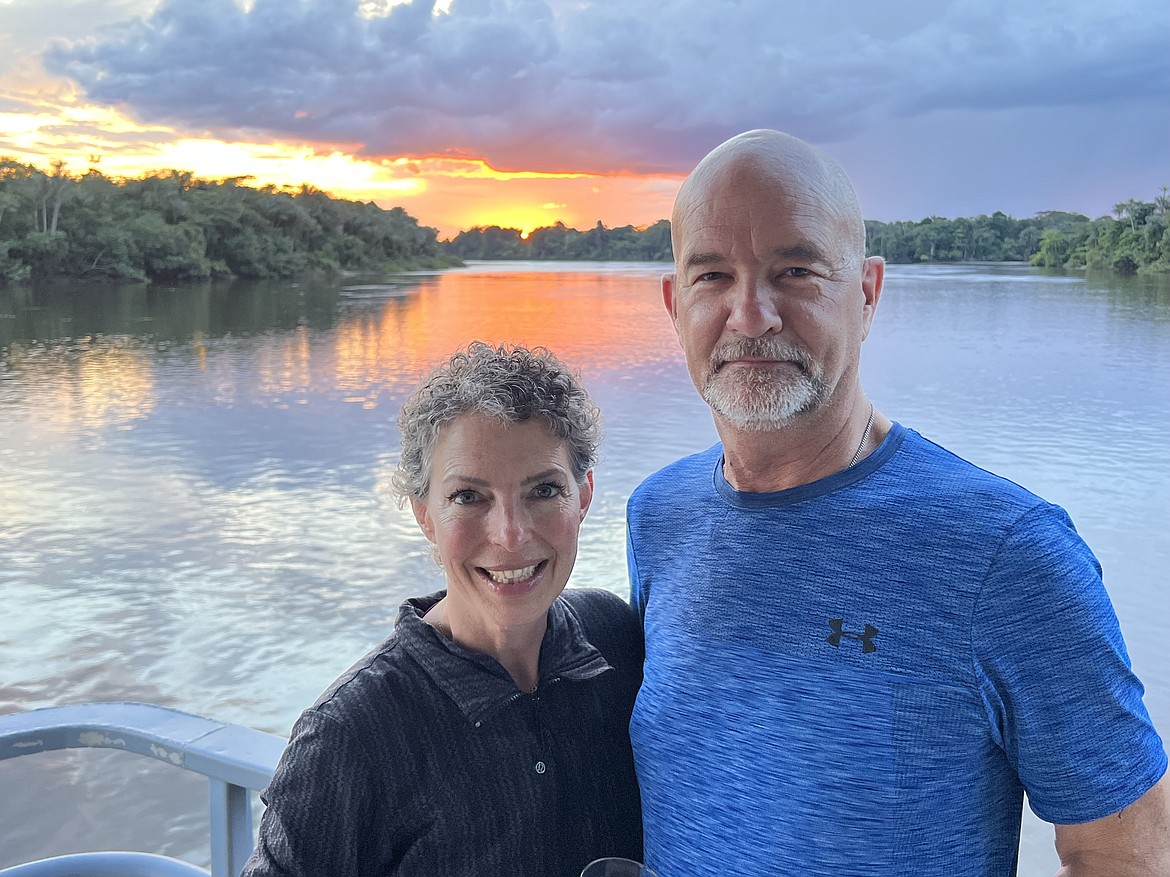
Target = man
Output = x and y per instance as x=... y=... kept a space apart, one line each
x=860 y=650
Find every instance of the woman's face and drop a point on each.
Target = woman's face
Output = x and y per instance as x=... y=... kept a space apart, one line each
x=503 y=511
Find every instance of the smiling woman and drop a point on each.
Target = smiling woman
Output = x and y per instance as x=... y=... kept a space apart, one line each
x=503 y=516
x=489 y=733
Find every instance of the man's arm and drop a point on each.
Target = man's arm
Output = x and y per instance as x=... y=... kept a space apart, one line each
x=1134 y=842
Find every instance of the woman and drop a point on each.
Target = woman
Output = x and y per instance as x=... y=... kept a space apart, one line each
x=489 y=734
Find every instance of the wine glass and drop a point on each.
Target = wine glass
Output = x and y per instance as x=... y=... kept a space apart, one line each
x=615 y=866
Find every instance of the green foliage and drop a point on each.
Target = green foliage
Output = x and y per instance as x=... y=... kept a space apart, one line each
x=559 y=242
x=41 y=252
x=170 y=251
x=1138 y=240
x=12 y=267
x=171 y=226
x=1055 y=248
x=1135 y=241
x=995 y=238
x=491 y=242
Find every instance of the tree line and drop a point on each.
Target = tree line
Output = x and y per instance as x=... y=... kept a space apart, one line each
x=558 y=242
x=171 y=226
x=1138 y=239
x=1135 y=238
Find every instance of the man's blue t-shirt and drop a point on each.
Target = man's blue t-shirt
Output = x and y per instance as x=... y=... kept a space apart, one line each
x=864 y=674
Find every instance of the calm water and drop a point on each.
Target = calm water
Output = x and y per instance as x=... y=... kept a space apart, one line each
x=193 y=481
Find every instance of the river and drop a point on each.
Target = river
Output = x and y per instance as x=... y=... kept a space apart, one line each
x=194 y=503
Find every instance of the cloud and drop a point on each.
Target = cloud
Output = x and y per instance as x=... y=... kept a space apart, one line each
x=644 y=86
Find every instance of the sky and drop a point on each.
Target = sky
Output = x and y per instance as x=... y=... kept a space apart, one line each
x=523 y=113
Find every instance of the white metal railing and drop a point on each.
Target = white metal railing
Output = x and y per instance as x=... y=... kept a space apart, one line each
x=235 y=759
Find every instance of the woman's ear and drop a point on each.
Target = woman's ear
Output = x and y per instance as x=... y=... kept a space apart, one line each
x=586 y=491
x=422 y=514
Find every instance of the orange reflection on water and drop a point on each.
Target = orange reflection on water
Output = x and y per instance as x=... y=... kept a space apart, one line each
x=367 y=358
x=89 y=385
x=115 y=386
x=381 y=339
x=285 y=367
x=591 y=320
x=388 y=335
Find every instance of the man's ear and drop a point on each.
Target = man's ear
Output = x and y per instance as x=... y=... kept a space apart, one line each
x=422 y=514
x=873 y=275
x=668 y=287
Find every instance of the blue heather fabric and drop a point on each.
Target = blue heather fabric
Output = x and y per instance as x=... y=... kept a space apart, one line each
x=775 y=733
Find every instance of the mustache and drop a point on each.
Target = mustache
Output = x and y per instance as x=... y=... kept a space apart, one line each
x=760 y=348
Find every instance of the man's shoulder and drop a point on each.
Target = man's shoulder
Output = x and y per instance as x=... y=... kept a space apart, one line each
x=939 y=470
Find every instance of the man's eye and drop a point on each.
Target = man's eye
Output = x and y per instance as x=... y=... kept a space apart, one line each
x=797 y=272
x=710 y=277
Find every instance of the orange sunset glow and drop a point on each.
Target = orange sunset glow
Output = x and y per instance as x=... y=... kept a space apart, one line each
x=584 y=323
x=114 y=383
x=447 y=193
x=523 y=114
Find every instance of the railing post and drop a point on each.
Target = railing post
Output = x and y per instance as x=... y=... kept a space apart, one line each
x=233 y=758
x=231 y=828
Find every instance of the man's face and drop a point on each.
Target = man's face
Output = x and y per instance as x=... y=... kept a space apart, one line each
x=769 y=298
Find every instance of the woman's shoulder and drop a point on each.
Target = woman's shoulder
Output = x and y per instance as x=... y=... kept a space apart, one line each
x=382 y=670
x=387 y=671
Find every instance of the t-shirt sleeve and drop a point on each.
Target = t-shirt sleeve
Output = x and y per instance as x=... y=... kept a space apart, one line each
x=637 y=591
x=309 y=826
x=1055 y=677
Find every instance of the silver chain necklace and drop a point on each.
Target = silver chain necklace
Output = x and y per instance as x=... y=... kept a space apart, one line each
x=864 y=438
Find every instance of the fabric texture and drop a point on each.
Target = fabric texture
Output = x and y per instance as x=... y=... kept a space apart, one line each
x=863 y=675
x=426 y=759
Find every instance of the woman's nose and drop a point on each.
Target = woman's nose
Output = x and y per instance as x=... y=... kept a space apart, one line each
x=508 y=523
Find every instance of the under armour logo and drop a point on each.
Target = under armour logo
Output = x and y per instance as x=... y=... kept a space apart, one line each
x=865 y=637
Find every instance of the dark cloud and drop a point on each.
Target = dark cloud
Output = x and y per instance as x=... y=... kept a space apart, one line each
x=641 y=85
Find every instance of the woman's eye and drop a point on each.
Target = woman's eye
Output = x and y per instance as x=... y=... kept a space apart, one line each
x=547 y=491
x=463 y=497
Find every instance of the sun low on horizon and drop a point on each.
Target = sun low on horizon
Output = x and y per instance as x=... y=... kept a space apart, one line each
x=525 y=113
x=46 y=117
x=448 y=193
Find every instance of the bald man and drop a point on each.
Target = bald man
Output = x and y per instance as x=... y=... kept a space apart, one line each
x=861 y=650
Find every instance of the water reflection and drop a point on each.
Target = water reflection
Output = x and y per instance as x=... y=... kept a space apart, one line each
x=193 y=502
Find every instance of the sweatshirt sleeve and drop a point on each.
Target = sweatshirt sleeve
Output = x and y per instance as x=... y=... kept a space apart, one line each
x=312 y=827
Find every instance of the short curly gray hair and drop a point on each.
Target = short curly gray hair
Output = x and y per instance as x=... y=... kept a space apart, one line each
x=512 y=383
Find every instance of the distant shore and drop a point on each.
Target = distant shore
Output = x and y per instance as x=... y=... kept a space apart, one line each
x=169 y=226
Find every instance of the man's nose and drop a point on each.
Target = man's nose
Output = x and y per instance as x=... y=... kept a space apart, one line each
x=754 y=309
